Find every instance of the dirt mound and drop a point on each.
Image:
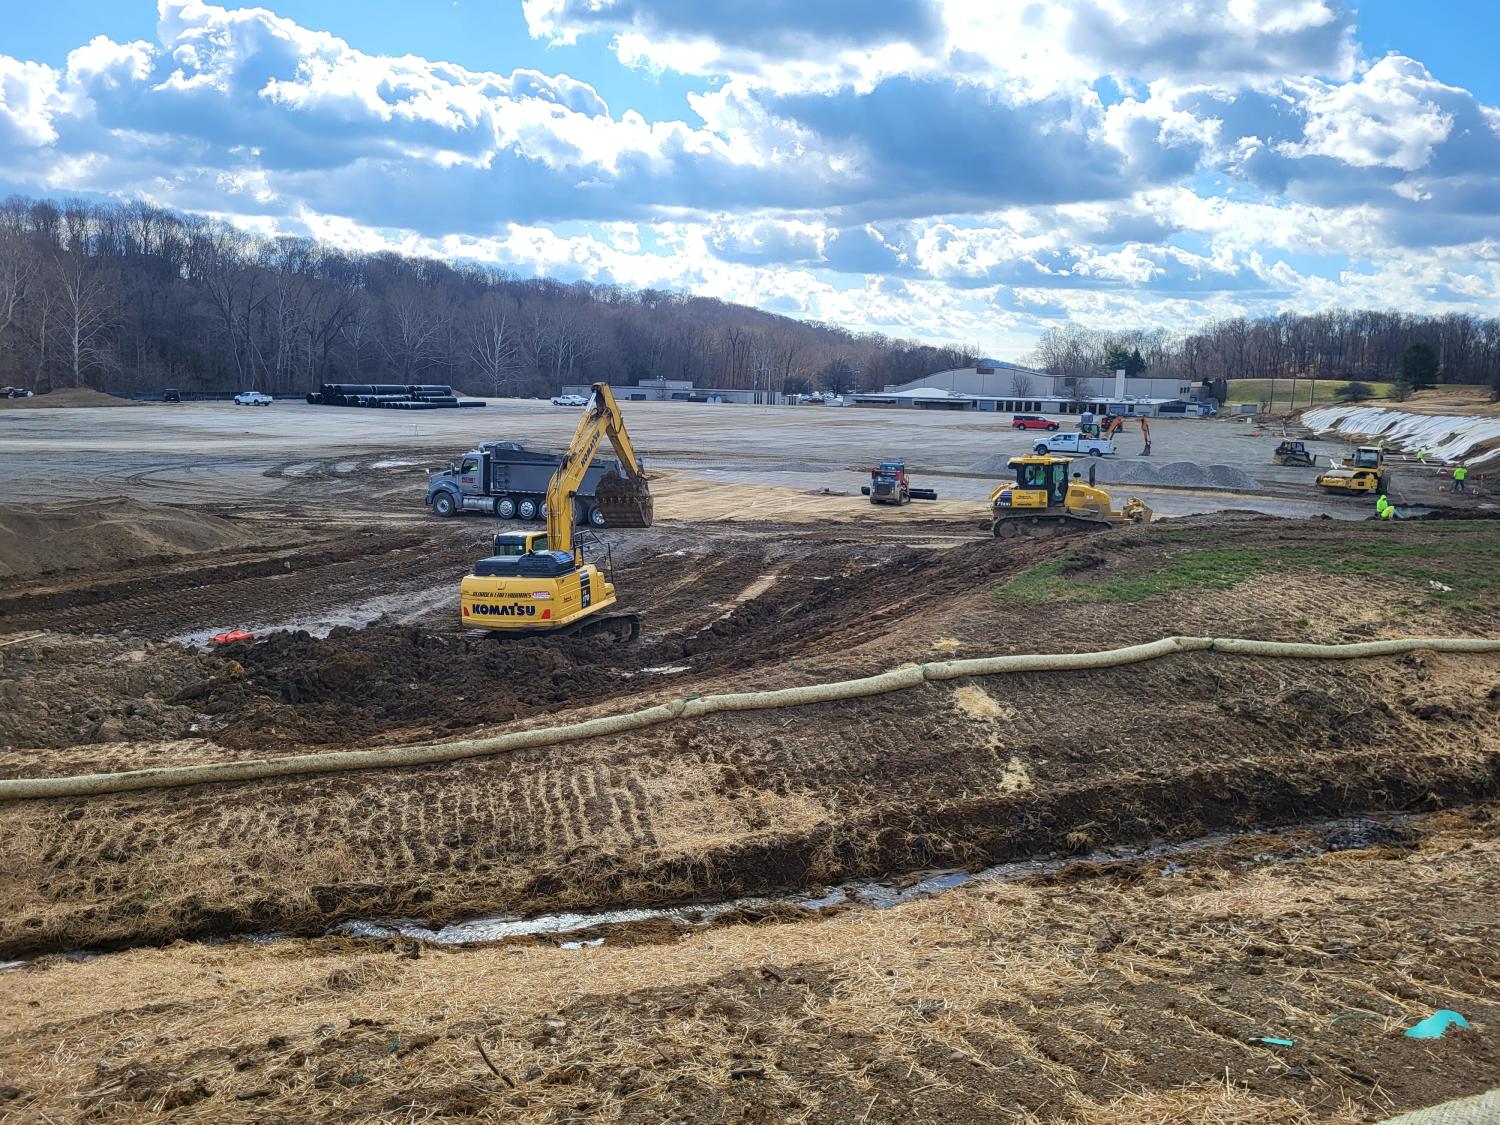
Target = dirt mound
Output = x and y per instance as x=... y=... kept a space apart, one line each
x=57 y=690
x=84 y=534
x=71 y=396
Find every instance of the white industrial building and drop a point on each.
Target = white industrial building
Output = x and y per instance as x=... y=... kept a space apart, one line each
x=994 y=385
x=680 y=390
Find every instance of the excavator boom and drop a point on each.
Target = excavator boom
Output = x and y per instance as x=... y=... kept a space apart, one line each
x=625 y=501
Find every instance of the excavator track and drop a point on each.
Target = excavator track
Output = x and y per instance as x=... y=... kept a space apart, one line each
x=624 y=501
x=621 y=628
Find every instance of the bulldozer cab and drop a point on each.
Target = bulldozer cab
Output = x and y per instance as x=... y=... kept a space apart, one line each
x=1043 y=474
x=1291 y=447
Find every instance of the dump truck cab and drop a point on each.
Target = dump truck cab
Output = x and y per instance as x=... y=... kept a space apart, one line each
x=1047 y=498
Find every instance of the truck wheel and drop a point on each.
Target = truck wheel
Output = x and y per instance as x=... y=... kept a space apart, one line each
x=527 y=509
x=580 y=512
x=1096 y=453
x=505 y=508
x=444 y=504
x=596 y=517
x=541 y=512
x=1040 y=449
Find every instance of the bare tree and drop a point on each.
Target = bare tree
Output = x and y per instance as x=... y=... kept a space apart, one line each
x=494 y=346
x=86 y=315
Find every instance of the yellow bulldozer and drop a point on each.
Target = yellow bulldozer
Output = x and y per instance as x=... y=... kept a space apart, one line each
x=1362 y=472
x=1046 y=500
x=540 y=583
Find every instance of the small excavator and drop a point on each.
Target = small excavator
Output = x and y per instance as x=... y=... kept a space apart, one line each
x=538 y=583
x=1045 y=501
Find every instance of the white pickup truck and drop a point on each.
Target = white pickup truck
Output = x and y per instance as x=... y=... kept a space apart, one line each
x=1074 y=442
x=252 y=398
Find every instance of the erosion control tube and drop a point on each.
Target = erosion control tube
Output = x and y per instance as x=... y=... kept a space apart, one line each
x=899 y=679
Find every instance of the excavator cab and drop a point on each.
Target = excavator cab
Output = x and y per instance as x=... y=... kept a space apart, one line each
x=512 y=543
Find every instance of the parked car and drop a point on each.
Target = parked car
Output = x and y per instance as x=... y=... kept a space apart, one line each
x=569 y=400
x=14 y=392
x=1032 y=422
x=252 y=398
x=171 y=394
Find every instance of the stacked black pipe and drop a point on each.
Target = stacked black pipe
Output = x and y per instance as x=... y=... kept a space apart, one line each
x=412 y=396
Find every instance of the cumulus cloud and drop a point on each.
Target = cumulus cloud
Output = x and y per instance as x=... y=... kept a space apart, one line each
x=949 y=168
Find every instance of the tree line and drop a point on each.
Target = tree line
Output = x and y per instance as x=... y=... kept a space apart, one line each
x=133 y=297
x=1351 y=346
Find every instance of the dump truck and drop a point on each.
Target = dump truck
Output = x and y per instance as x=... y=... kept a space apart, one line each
x=1045 y=500
x=890 y=485
x=1363 y=472
x=504 y=479
x=536 y=583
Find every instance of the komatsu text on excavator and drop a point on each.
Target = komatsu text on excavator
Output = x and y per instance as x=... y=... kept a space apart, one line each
x=537 y=583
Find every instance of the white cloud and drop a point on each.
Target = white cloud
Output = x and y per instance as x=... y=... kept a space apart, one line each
x=954 y=169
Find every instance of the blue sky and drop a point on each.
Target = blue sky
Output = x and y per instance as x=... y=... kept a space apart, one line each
x=942 y=169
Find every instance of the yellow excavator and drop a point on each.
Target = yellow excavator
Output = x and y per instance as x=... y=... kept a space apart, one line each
x=538 y=582
x=1045 y=500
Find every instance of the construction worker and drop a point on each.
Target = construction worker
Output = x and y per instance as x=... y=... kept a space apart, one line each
x=1381 y=504
x=1460 y=475
x=1388 y=512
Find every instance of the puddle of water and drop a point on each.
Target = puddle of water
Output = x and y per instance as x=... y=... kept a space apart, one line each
x=394 y=464
x=402 y=608
x=870 y=894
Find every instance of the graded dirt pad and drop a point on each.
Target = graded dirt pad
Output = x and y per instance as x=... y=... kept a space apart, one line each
x=80 y=535
x=1131 y=991
x=71 y=396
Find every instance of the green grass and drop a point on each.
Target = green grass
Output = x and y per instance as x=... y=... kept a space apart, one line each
x=1321 y=392
x=1468 y=562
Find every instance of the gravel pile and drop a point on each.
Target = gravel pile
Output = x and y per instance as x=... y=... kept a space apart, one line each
x=1175 y=474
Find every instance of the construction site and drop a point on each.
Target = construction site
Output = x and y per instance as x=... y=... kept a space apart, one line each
x=661 y=761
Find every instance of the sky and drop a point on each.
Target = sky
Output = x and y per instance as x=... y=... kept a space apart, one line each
x=947 y=170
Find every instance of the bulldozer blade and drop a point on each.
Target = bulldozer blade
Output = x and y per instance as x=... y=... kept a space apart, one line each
x=624 y=501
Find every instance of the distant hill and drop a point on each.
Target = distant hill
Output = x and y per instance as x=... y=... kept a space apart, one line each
x=133 y=297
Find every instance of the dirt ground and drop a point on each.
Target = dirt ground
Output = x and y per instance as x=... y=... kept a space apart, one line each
x=1130 y=991
x=1119 y=992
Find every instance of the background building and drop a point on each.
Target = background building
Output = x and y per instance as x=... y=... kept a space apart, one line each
x=993 y=384
x=680 y=390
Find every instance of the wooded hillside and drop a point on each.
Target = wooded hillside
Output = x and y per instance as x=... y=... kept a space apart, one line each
x=130 y=296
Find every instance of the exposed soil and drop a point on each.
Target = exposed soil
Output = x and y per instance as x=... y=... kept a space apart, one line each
x=89 y=535
x=1055 y=1001
x=1128 y=992
x=69 y=396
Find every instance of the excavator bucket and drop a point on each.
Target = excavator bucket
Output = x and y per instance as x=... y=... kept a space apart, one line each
x=624 y=501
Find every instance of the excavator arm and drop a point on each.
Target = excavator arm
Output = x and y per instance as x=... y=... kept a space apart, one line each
x=624 y=500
